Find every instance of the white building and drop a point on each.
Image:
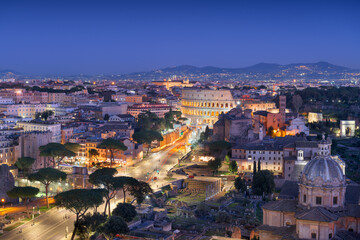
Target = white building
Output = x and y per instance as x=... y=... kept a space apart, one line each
x=55 y=129
x=6 y=101
x=315 y=117
x=29 y=110
x=297 y=126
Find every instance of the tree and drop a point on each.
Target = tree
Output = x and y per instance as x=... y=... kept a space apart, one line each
x=127 y=184
x=105 y=177
x=126 y=211
x=38 y=115
x=56 y=151
x=47 y=176
x=240 y=184
x=139 y=190
x=233 y=167
x=90 y=223
x=25 y=193
x=113 y=146
x=297 y=102
x=149 y=121
x=205 y=135
x=147 y=136
x=270 y=131
x=46 y=114
x=214 y=165
x=106 y=117
x=263 y=183
x=115 y=225
x=74 y=147
x=254 y=168
x=93 y=153
x=25 y=163
x=79 y=201
x=219 y=146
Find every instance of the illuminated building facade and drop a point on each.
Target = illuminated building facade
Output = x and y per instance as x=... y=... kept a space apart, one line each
x=203 y=106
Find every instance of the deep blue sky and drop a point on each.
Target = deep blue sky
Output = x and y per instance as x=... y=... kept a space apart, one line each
x=67 y=37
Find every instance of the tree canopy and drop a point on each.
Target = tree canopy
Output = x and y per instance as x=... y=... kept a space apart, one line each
x=233 y=167
x=115 y=225
x=263 y=182
x=240 y=184
x=56 y=151
x=79 y=201
x=147 y=136
x=126 y=211
x=219 y=146
x=47 y=176
x=25 y=163
x=214 y=164
x=90 y=223
x=105 y=177
x=74 y=147
x=113 y=146
x=25 y=193
x=139 y=190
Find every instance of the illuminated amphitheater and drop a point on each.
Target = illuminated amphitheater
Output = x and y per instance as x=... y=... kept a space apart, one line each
x=203 y=106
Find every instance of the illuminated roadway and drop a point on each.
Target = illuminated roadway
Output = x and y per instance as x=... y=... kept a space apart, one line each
x=52 y=225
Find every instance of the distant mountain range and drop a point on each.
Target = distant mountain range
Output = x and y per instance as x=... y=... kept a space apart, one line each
x=257 y=71
x=257 y=68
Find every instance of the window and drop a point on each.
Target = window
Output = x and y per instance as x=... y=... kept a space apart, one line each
x=304 y=198
x=335 y=201
x=313 y=236
x=318 y=200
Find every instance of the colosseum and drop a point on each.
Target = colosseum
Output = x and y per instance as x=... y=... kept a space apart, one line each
x=203 y=106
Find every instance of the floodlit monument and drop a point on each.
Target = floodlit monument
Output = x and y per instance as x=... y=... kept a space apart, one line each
x=347 y=128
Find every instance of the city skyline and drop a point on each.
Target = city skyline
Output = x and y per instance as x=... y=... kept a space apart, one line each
x=120 y=38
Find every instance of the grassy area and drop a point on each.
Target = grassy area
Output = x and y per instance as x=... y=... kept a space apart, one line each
x=233 y=205
x=21 y=222
x=30 y=218
x=187 y=223
x=45 y=209
x=13 y=226
x=217 y=232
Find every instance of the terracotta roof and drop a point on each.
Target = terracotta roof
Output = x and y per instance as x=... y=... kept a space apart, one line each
x=318 y=214
x=289 y=190
x=346 y=235
x=288 y=232
x=281 y=205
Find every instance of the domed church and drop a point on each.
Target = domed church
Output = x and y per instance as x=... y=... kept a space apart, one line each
x=326 y=208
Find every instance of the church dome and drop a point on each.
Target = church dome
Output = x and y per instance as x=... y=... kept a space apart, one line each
x=323 y=171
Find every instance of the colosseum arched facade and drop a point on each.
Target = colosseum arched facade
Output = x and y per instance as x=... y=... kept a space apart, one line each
x=203 y=106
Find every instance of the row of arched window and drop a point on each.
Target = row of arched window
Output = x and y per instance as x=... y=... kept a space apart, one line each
x=207 y=104
x=202 y=113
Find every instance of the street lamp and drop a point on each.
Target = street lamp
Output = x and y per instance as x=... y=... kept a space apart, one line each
x=3 y=202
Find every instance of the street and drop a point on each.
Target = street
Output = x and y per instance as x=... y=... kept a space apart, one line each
x=52 y=225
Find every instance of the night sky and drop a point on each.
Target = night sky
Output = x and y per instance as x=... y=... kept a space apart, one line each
x=112 y=37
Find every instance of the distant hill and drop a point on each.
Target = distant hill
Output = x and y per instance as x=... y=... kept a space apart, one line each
x=257 y=68
x=257 y=71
